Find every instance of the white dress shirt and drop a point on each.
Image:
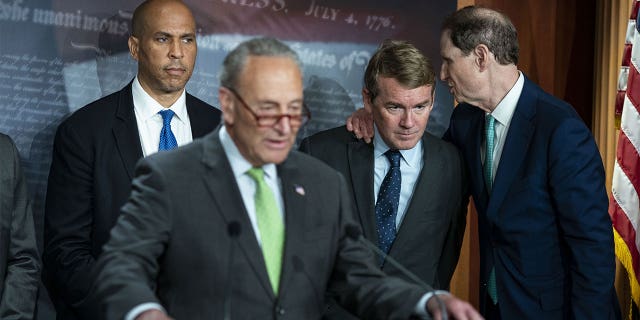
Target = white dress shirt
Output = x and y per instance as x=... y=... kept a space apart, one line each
x=246 y=184
x=150 y=122
x=503 y=113
x=410 y=167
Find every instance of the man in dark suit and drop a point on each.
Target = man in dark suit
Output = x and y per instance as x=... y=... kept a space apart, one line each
x=428 y=219
x=235 y=226
x=19 y=257
x=536 y=176
x=97 y=147
x=545 y=235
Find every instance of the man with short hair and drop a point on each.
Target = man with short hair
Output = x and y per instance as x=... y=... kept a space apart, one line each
x=423 y=226
x=97 y=147
x=235 y=226
x=537 y=180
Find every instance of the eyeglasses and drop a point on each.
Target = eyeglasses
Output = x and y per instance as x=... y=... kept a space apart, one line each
x=295 y=120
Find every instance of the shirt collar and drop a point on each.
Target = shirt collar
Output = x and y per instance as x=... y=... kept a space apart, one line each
x=240 y=165
x=505 y=109
x=146 y=107
x=411 y=157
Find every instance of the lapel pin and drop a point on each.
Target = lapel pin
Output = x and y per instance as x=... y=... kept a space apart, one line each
x=299 y=190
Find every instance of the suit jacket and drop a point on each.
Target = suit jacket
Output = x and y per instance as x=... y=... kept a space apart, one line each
x=171 y=245
x=94 y=155
x=19 y=257
x=545 y=226
x=429 y=238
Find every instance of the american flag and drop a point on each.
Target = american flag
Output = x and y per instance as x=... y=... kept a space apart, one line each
x=624 y=205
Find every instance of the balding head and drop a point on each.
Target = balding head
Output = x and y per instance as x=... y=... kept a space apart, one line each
x=150 y=9
x=164 y=44
x=472 y=26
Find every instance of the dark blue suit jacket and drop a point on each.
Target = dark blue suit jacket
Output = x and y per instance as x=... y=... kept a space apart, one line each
x=94 y=155
x=545 y=226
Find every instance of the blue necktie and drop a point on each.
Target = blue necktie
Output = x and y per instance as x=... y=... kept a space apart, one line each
x=490 y=130
x=387 y=204
x=167 y=139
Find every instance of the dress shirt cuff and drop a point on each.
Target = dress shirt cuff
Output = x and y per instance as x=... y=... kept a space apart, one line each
x=139 y=309
x=421 y=306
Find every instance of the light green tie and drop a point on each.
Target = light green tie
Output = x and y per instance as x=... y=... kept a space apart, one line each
x=271 y=227
x=489 y=130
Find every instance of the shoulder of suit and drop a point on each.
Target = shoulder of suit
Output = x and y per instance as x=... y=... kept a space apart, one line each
x=95 y=115
x=338 y=135
x=304 y=161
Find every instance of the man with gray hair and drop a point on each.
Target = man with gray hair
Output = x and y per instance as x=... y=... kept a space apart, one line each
x=537 y=180
x=235 y=226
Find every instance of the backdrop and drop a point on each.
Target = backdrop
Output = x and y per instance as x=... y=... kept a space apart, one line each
x=58 y=55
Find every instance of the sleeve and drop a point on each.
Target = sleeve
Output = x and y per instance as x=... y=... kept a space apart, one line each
x=128 y=267
x=69 y=216
x=23 y=264
x=577 y=188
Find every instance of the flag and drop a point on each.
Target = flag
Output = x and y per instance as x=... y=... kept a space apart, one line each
x=624 y=204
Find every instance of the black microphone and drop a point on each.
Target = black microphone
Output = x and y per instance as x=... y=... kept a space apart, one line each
x=354 y=233
x=233 y=230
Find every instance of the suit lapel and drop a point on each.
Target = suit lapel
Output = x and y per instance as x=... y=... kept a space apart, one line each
x=515 y=147
x=295 y=202
x=199 y=126
x=475 y=137
x=224 y=190
x=360 y=157
x=426 y=191
x=125 y=131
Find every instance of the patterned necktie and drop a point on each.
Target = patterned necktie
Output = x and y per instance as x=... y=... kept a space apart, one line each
x=270 y=225
x=490 y=133
x=489 y=130
x=387 y=204
x=167 y=139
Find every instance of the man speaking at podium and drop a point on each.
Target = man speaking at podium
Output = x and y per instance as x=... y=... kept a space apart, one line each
x=234 y=226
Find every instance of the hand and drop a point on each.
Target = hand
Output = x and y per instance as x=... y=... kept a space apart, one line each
x=154 y=314
x=360 y=122
x=456 y=308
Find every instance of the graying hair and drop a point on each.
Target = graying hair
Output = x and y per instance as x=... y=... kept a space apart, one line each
x=236 y=59
x=471 y=26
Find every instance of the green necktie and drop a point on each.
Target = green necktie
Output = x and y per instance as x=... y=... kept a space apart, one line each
x=490 y=130
x=271 y=227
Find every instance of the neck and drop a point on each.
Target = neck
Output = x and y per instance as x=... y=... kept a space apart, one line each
x=502 y=81
x=165 y=99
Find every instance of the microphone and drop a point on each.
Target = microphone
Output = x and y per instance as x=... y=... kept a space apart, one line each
x=233 y=230
x=354 y=233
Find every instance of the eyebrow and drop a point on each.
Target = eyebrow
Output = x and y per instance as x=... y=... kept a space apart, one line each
x=424 y=102
x=168 y=34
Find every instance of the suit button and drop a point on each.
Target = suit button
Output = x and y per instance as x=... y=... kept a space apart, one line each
x=280 y=311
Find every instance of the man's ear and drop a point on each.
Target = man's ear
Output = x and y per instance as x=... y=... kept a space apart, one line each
x=226 y=105
x=366 y=99
x=482 y=56
x=134 y=47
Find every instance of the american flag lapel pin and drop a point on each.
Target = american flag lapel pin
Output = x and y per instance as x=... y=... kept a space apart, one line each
x=299 y=190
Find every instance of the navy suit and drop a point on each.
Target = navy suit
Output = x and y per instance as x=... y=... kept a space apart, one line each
x=545 y=226
x=94 y=155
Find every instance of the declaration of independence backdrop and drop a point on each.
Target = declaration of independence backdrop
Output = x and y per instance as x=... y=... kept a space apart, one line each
x=58 y=55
